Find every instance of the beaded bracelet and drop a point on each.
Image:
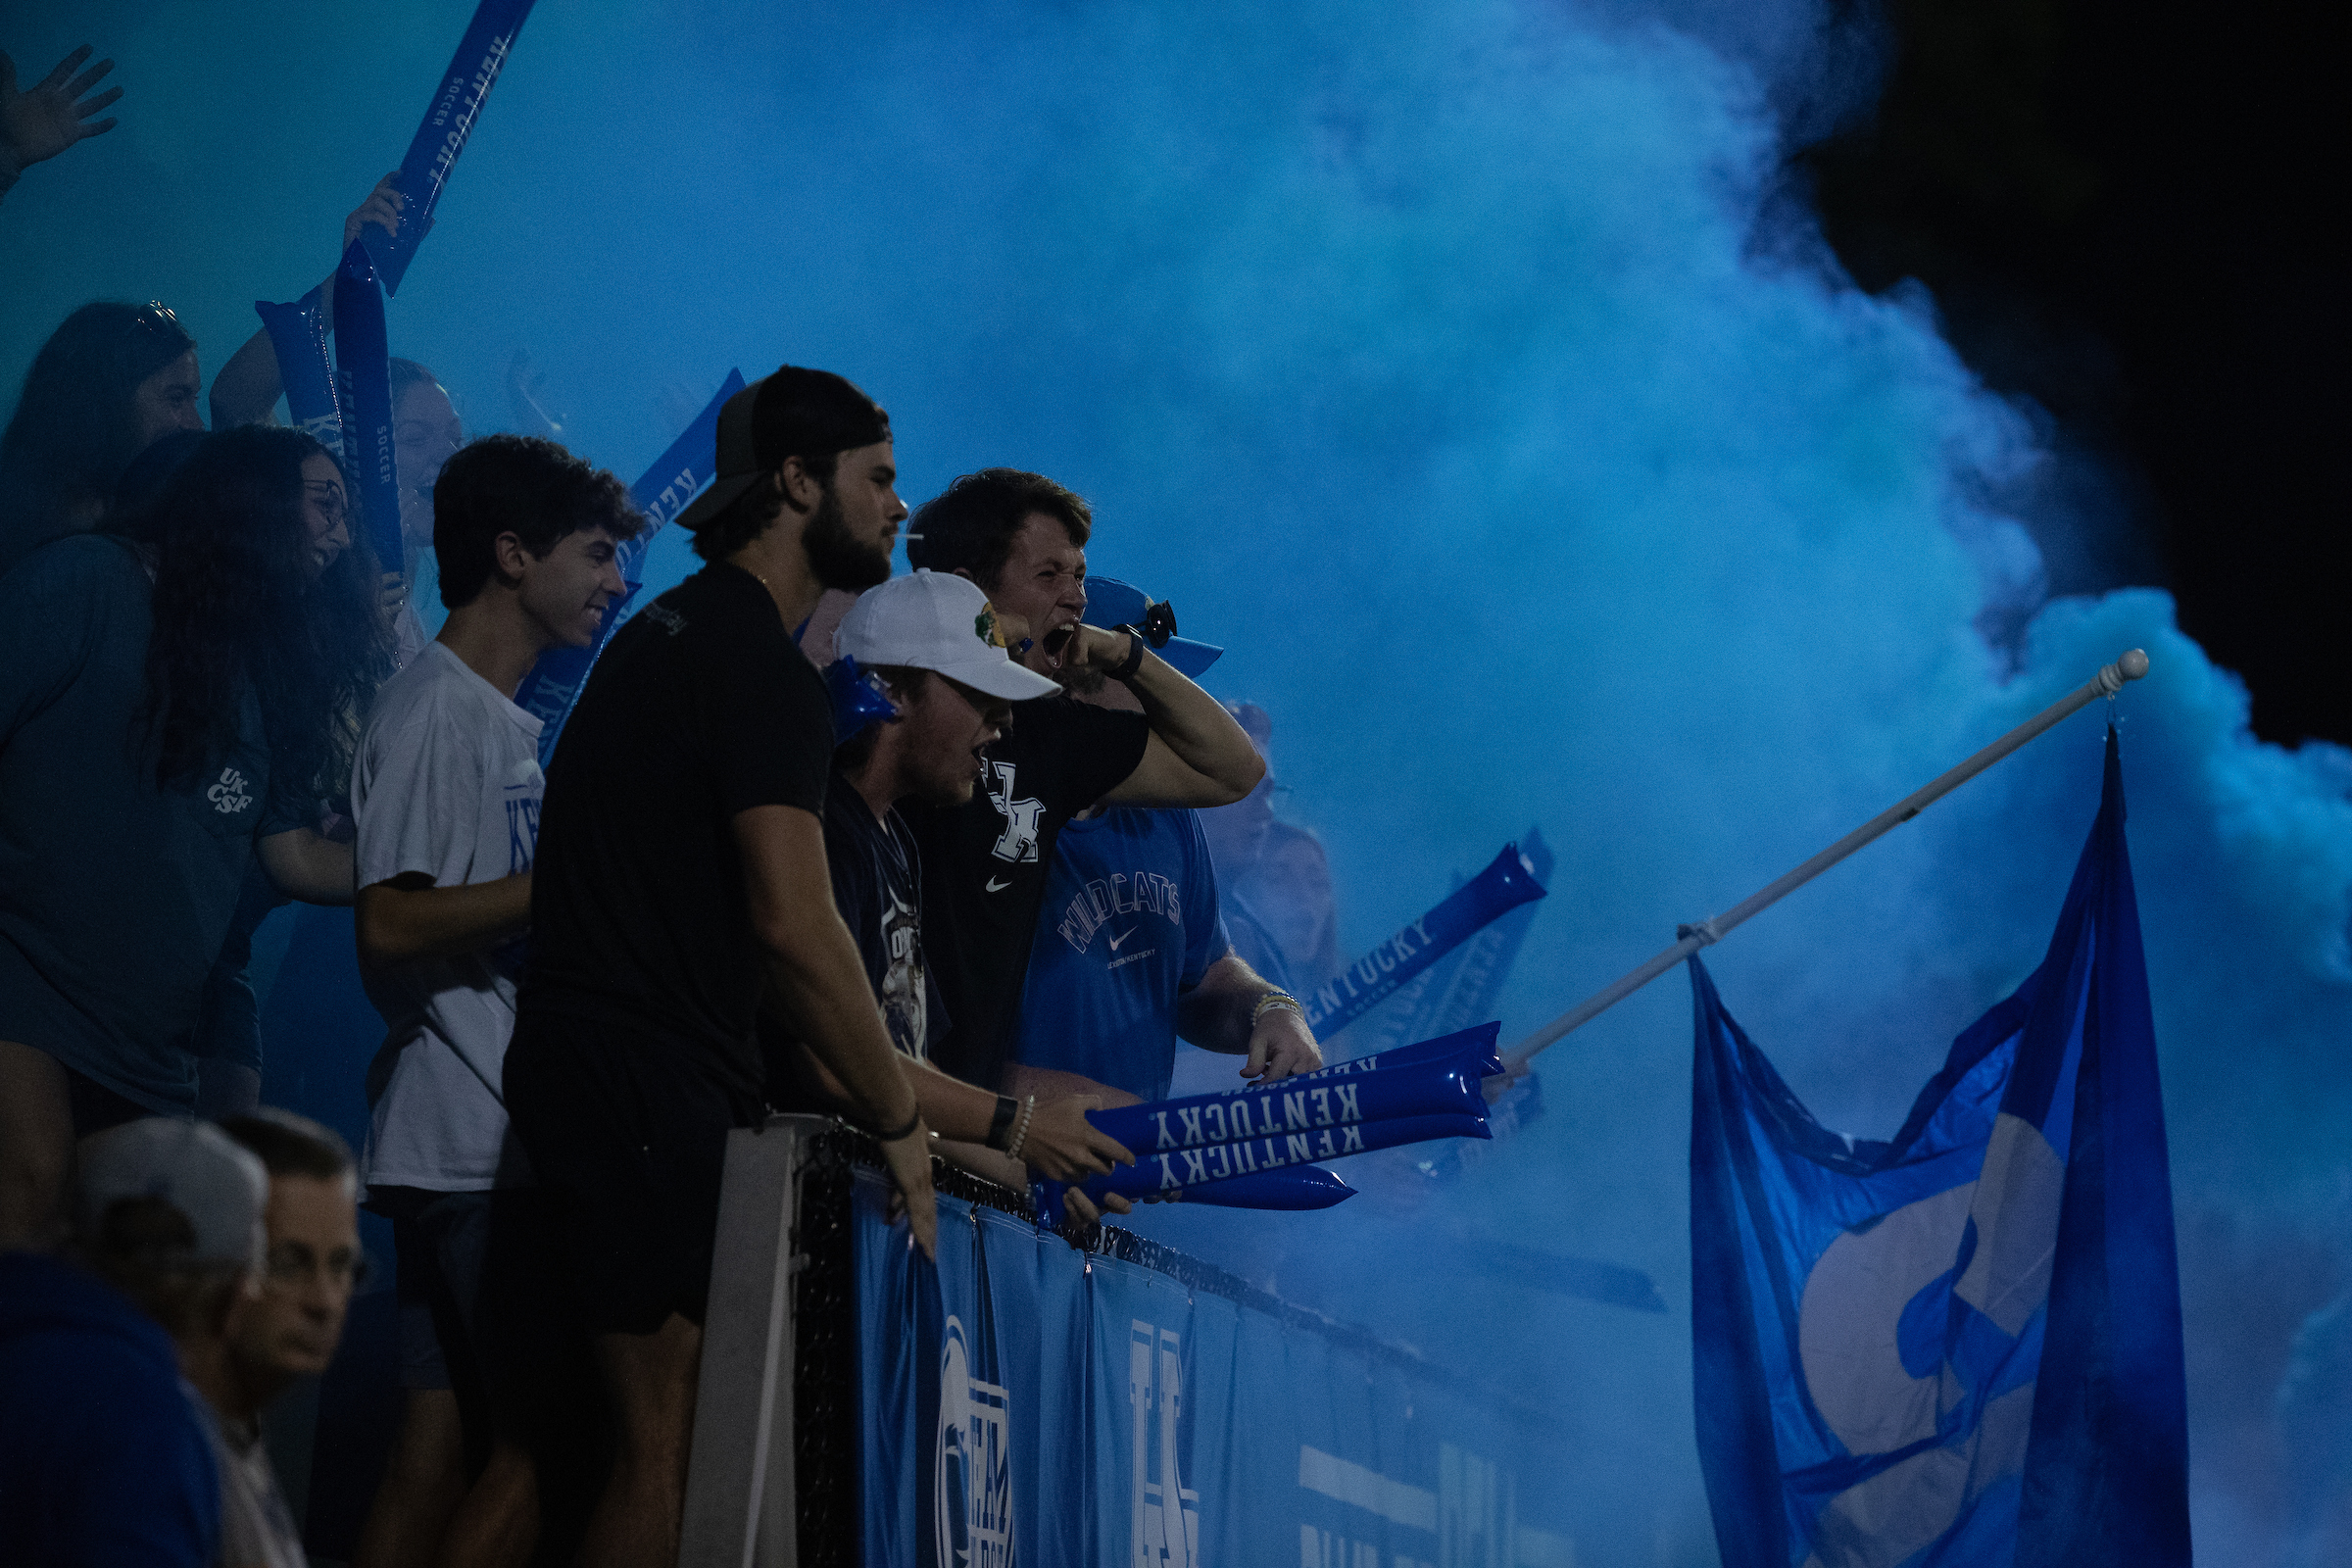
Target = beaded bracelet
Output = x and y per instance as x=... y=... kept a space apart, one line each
x=1274 y=1001
x=1020 y=1131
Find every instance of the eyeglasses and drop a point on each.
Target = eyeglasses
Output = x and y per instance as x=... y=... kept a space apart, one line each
x=328 y=497
x=291 y=1263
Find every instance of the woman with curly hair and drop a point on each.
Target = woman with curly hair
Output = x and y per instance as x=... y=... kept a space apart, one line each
x=176 y=694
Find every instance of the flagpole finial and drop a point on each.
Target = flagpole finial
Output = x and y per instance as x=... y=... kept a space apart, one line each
x=2131 y=666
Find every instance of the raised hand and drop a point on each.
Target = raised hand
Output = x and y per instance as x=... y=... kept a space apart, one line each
x=382 y=208
x=44 y=120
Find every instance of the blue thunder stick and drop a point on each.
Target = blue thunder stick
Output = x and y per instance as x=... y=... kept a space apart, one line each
x=1199 y=1173
x=364 y=375
x=1444 y=1047
x=298 y=335
x=554 y=684
x=1295 y=1188
x=1501 y=886
x=1311 y=1106
x=448 y=121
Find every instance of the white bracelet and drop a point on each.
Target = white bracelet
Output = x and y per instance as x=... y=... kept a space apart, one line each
x=1276 y=1002
x=1020 y=1130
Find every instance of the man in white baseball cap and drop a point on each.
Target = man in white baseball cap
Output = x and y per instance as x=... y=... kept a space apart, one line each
x=929 y=643
x=105 y=1452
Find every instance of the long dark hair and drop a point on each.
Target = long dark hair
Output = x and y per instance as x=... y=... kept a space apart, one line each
x=235 y=605
x=76 y=428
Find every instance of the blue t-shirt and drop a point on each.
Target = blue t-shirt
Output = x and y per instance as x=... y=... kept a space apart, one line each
x=1130 y=923
x=116 y=897
x=102 y=1459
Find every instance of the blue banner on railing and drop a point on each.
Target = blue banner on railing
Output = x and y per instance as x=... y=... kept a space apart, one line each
x=661 y=492
x=1025 y=1403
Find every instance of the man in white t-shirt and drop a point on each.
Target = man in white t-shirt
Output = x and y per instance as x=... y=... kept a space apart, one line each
x=446 y=792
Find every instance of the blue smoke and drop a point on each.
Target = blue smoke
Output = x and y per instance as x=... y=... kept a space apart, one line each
x=1451 y=369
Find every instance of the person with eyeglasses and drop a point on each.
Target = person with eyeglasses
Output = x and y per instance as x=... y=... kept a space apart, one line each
x=286 y=1329
x=114 y=379
x=106 y=1451
x=176 y=699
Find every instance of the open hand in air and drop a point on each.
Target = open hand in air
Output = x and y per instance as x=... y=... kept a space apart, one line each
x=46 y=119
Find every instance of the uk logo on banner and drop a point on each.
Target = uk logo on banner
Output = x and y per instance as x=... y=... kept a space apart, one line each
x=1167 y=1516
x=971 y=1506
x=1961 y=1348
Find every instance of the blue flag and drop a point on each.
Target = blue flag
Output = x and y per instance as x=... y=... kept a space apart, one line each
x=1962 y=1346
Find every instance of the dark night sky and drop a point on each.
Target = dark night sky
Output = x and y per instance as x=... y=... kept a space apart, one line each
x=2135 y=217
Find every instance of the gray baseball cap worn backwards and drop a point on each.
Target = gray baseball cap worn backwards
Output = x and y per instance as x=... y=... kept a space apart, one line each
x=793 y=412
x=216 y=1184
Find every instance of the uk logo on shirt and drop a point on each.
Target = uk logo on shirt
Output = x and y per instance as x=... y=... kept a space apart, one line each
x=1018 y=842
x=228 y=794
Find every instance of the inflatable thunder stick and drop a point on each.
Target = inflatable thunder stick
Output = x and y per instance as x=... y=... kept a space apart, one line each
x=554 y=684
x=1322 y=1111
x=448 y=121
x=363 y=394
x=298 y=335
x=1501 y=886
x=1226 y=1149
x=1294 y=1187
x=1442 y=1047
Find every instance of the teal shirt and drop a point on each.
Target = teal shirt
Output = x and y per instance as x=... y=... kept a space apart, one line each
x=115 y=895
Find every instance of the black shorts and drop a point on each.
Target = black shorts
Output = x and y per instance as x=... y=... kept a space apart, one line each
x=479 y=1311
x=628 y=1138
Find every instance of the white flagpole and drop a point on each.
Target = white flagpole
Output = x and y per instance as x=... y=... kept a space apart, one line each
x=2106 y=683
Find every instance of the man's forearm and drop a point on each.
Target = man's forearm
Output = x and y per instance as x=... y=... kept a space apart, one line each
x=404 y=920
x=1195 y=727
x=820 y=993
x=1217 y=1014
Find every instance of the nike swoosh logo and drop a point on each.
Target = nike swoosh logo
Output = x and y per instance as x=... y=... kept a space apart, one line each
x=994 y=886
x=1121 y=937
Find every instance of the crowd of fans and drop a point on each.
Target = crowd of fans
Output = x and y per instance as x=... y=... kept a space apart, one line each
x=1027 y=856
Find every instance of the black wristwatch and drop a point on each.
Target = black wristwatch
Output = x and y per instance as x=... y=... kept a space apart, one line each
x=1000 y=1126
x=1135 y=653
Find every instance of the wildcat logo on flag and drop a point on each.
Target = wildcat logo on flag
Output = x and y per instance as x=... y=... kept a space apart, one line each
x=1961 y=1347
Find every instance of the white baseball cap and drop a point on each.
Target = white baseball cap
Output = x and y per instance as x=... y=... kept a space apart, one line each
x=220 y=1185
x=939 y=621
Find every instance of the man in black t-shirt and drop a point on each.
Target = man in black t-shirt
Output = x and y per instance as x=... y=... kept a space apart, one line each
x=679 y=886
x=1023 y=539
x=929 y=643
